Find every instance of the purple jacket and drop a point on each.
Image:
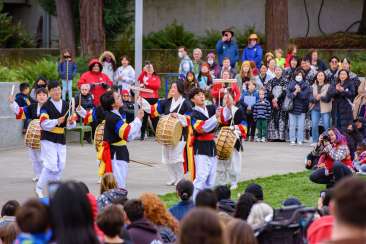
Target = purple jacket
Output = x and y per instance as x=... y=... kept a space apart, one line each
x=144 y=232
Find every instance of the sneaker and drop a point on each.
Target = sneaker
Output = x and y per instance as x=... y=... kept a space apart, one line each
x=39 y=192
x=257 y=139
x=234 y=186
x=170 y=183
x=99 y=181
x=35 y=179
x=313 y=144
x=300 y=143
x=292 y=143
x=263 y=139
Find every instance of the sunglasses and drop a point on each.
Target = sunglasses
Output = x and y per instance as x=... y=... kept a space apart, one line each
x=67 y=56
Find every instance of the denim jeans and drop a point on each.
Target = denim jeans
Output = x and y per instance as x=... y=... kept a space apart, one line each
x=296 y=122
x=315 y=118
x=66 y=87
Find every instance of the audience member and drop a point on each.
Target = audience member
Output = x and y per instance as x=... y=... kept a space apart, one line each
x=109 y=191
x=239 y=232
x=256 y=190
x=110 y=221
x=244 y=205
x=206 y=198
x=227 y=47
x=8 y=212
x=260 y=214
x=184 y=192
x=225 y=203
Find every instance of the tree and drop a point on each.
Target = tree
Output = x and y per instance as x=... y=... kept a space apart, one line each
x=65 y=25
x=276 y=21
x=92 y=36
x=362 y=27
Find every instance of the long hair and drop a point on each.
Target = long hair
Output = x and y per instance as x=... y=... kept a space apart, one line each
x=156 y=212
x=250 y=71
x=339 y=72
x=239 y=232
x=326 y=81
x=108 y=183
x=71 y=216
x=340 y=138
x=244 y=205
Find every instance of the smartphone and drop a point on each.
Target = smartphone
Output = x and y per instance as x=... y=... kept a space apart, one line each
x=52 y=188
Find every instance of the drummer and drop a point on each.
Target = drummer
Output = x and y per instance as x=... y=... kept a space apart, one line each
x=176 y=106
x=31 y=112
x=228 y=171
x=204 y=120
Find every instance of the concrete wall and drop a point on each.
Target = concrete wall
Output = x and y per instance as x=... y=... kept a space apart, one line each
x=198 y=16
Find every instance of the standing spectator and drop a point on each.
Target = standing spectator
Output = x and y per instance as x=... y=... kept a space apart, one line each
x=298 y=90
x=227 y=47
x=259 y=215
x=244 y=205
x=359 y=103
x=261 y=115
x=41 y=82
x=254 y=51
x=204 y=77
x=109 y=191
x=248 y=98
x=214 y=67
x=98 y=81
x=280 y=60
x=288 y=72
x=186 y=64
x=226 y=66
x=184 y=191
x=320 y=105
x=291 y=51
x=309 y=71
x=8 y=212
x=267 y=57
x=110 y=221
x=150 y=80
x=74 y=223
x=317 y=63
x=349 y=210
x=201 y=225
x=335 y=162
x=245 y=75
x=276 y=93
x=125 y=75
x=263 y=76
x=155 y=211
x=332 y=71
x=140 y=229
x=128 y=106
x=343 y=94
x=346 y=65
x=197 y=61
x=108 y=62
x=271 y=68
x=67 y=69
x=239 y=232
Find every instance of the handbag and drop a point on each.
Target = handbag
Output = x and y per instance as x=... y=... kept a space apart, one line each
x=287 y=104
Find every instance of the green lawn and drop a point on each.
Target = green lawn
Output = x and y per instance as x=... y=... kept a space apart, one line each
x=276 y=188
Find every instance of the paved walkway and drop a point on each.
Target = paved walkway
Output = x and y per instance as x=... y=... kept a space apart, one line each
x=259 y=160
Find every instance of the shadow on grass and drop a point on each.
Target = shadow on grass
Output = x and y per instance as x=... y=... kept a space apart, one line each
x=276 y=189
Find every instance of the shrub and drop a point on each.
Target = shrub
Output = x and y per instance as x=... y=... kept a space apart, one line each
x=29 y=71
x=210 y=39
x=7 y=74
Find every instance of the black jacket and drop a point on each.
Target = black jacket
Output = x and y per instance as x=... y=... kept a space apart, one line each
x=301 y=99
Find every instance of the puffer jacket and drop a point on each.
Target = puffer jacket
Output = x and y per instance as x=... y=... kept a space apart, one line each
x=300 y=101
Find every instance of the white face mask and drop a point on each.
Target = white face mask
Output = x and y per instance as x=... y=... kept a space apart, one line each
x=298 y=78
x=180 y=54
x=210 y=61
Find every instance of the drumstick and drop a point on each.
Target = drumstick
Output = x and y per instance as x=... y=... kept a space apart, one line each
x=12 y=90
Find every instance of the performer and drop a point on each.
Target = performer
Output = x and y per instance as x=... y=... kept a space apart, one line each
x=114 y=153
x=228 y=171
x=176 y=106
x=55 y=117
x=204 y=120
x=31 y=112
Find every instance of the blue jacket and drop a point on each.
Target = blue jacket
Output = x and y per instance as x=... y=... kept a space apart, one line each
x=253 y=54
x=301 y=100
x=69 y=67
x=181 y=209
x=227 y=49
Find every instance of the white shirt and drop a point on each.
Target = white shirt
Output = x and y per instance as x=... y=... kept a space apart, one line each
x=176 y=103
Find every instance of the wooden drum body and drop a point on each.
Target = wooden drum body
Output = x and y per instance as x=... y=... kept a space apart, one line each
x=32 y=138
x=168 y=130
x=99 y=135
x=225 y=143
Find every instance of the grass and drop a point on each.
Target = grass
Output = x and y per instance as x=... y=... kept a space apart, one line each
x=276 y=189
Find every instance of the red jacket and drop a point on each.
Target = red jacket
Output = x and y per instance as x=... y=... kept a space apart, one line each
x=320 y=230
x=288 y=59
x=95 y=80
x=153 y=83
x=215 y=90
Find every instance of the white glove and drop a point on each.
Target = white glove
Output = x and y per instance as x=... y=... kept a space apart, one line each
x=144 y=105
x=81 y=111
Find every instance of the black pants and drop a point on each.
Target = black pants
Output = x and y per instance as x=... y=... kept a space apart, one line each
x=251 y=125
x=154 y=121
x=340 y=170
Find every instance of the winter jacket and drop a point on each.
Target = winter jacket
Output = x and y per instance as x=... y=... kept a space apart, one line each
x=288 y=73
x=216 y=93
x=226 y=205
x=360 y=100
x=144 y=232
x=262 y=110
x=227 y=49
x=354 y=137
x=185 y=66
x=27 y=238
x=249 y=98
x=325 y=103
x=86 y=101
x=108 y=67
x=342 y=105
x=152 y=82
x=124 y=76
x=67 y=70
x=108 y=197
x=300 y=101
x=167 y=235
x=99 y=82
x=280 y=62
x=129 y=109
x=253 y=54
x=181 y=209
x=320 y=65
x=310 y=75
x=22 y=100
x=287 y=59
x=331 y=75
x=215 y=70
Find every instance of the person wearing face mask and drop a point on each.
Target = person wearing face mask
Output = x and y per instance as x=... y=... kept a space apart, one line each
x=67 y=69
x=332 y=71
x=186 y=63
x=254 y=51
x=214 y=67
x=41 y=82
x=298 y=90
x=227 y=47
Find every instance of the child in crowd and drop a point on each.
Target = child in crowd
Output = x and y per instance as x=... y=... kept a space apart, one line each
x=22 y=98
x=110 y=221
x=248 y=98
x=291 y=51
x=8 y=213
x=261 y=115
x=184 y=192
x=85 y=98
x=359 y=163
x=128 y=107
x=280 y=61
x=33 y=221
x=41 y=82
x=67 y=70
x=189 y=83
x=204 y=77
x=267 y=57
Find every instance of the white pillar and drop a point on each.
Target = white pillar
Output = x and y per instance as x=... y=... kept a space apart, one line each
x=139 y=11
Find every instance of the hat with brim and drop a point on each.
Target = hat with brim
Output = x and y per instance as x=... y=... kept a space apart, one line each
x=253 y=37
x=228 y=30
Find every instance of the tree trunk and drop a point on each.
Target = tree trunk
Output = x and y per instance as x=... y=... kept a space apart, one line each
x=362 y=27
x=65 y=24
x=276 y=24
x=92 y=35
